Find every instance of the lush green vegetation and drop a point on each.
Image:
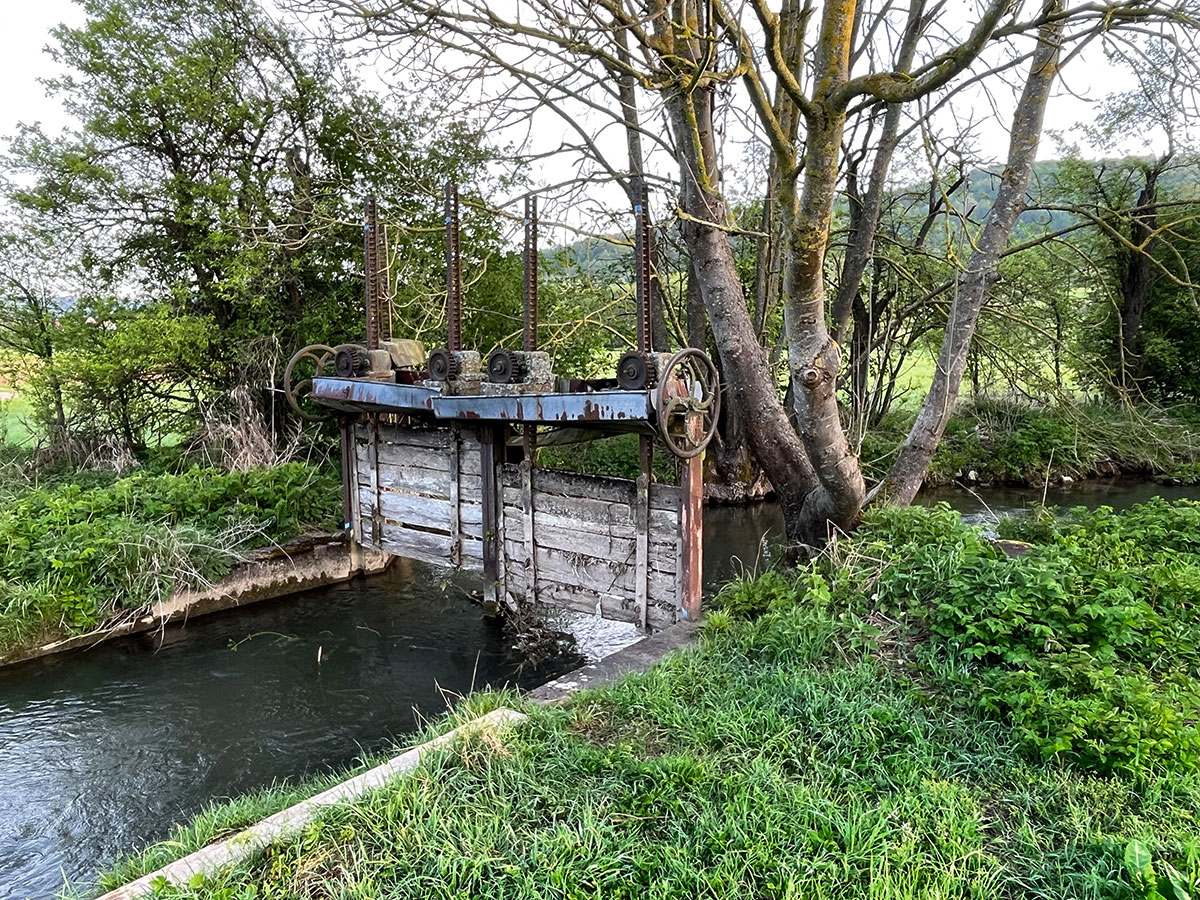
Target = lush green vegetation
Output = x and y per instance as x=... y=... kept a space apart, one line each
x=914 y=715
x=79 y=548
x=1004 y=442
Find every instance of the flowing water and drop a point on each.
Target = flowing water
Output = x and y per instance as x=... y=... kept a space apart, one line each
x=101 y=752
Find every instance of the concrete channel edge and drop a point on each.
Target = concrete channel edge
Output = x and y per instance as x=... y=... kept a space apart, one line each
x=256 y=838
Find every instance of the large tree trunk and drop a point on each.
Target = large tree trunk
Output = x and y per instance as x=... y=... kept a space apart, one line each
x=908 y=471
x=1135 y=275
x=814 y=357
x=747 y=378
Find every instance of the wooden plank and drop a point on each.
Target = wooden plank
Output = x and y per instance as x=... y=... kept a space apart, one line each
x=454 y=499
x=357 y=534
x=642 y=546
x=429 y=513
x=593 y=487
x=610 y=606
x=373 y=462
x=530 y=566
x=612 y=490
x=415 y=480
x=419 y=545
x=433 y=439
x=431 y=548
x=602 y=576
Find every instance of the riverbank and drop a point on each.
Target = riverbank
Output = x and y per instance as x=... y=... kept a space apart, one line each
x=1019 y=444
x=915 y=715
x=986 y=443
x=87 y=551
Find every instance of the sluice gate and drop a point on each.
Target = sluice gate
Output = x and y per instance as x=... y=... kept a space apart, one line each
x=440 y=462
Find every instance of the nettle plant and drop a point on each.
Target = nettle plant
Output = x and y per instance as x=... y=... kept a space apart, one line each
x=1087 y=644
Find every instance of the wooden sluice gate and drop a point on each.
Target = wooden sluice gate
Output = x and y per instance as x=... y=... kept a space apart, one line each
x=440 y=455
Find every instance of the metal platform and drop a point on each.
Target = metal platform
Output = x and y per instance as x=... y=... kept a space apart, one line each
x=611 y=410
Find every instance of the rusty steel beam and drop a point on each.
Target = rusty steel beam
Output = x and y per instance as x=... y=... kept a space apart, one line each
x=630 y=407
x=691 y=531
x=601 y=408
x=360 y=395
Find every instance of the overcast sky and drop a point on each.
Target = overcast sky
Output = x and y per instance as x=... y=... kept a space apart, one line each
x=23 y=37
x=26 y=33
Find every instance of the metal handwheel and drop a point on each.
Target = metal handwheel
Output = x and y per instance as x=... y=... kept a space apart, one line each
x=307 y=364
x=688 y=402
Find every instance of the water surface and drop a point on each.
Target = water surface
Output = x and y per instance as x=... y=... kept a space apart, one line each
x=101 y=752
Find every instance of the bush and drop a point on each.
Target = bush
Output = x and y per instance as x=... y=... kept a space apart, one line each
x=1087 y=644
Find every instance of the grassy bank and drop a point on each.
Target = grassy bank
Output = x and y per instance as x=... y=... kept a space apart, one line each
x=1020 y=444
x=887 y=723
x=78 y=548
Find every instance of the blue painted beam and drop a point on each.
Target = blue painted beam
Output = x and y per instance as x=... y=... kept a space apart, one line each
x=601 y=408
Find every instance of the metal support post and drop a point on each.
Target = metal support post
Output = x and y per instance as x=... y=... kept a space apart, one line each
x=691 y=527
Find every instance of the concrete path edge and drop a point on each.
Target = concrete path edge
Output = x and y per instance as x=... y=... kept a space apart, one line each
x=230 y=851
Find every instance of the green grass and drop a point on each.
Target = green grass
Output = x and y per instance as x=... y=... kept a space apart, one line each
x=78 y=548
x=15 y=415
x=786 y=757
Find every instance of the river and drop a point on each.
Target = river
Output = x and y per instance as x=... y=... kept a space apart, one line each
x=100 y=752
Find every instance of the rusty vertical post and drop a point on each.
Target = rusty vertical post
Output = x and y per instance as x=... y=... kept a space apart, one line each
x=453 y=271
x=370 y=269
x=691 y=528
x=642 y=267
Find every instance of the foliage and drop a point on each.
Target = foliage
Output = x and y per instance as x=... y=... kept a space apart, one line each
x=214 y=185
x=1086 y=644
x=1020 y=443
x=779 y=759
x=1158 y=879
x=128 y=376
x=615 y=456
x=73 y=554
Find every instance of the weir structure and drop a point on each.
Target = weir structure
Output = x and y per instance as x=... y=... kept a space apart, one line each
x=440 y=451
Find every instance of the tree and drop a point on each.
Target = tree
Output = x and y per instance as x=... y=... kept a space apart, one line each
x=805 y=70
x=219 y=168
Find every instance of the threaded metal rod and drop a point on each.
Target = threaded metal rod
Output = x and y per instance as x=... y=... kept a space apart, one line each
x=529 y=341
x=453 y=271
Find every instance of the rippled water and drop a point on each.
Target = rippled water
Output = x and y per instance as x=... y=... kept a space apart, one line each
x=101 y=752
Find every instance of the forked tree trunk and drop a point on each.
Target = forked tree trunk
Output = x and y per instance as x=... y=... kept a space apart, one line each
x=747 y=377
x=814 y=357
x=908 y=471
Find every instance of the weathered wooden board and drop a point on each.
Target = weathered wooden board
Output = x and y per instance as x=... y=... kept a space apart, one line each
x=585 y=555
x=419 y=493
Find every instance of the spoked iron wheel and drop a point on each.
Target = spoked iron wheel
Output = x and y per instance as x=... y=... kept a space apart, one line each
x=688 y=402
x=309 y=363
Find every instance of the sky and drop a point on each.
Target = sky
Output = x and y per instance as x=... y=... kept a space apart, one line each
x=25 y=34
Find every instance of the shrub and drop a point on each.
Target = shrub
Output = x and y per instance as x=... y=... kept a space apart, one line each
x=1087 y=644
x=73 y=555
